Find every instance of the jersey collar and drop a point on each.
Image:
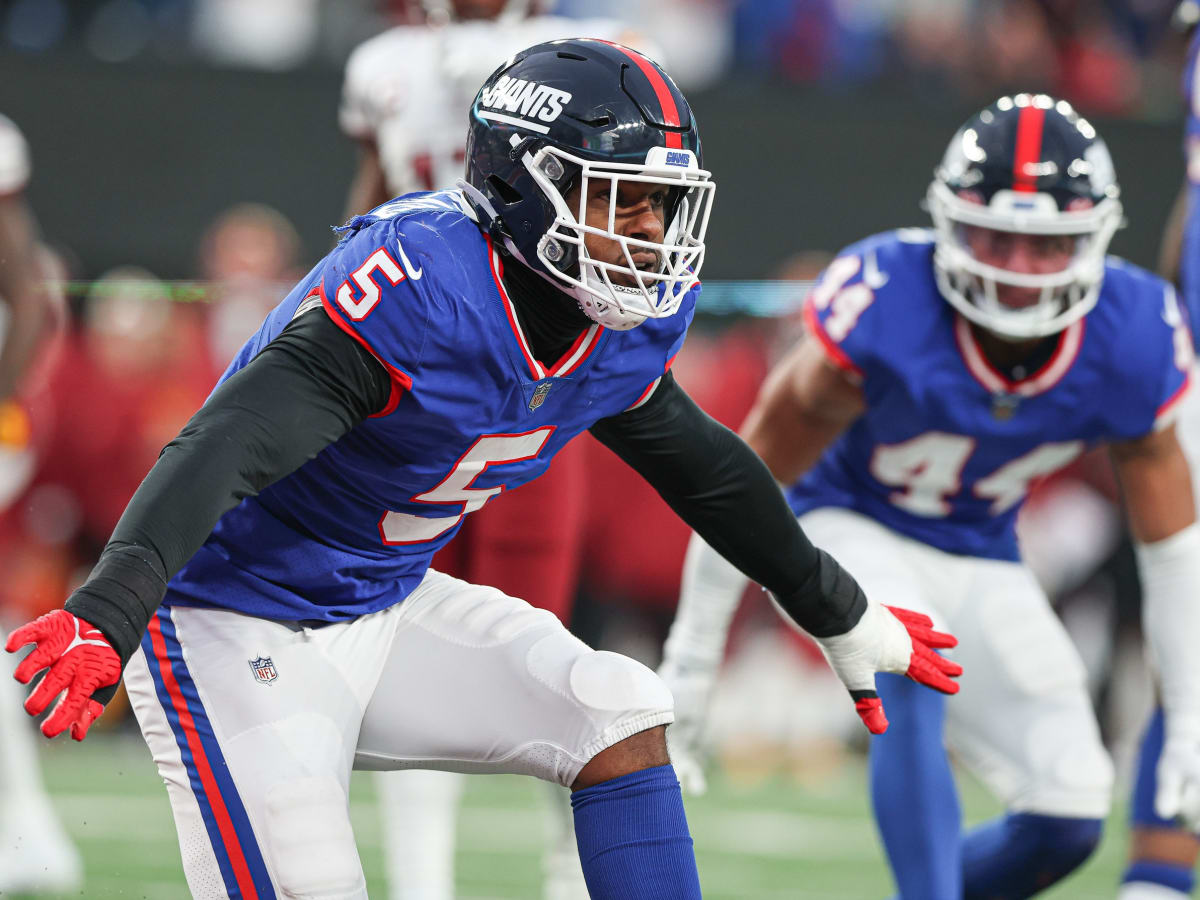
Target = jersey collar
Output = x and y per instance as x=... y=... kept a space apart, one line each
x=1050 y=374
x=577 y=354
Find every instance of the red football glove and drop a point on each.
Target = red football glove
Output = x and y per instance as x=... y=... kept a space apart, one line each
x=889 y=639
x=80 y=660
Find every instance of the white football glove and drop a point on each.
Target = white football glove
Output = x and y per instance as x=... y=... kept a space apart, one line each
x=889 y=639
x=692 y=688
x=1178 y=794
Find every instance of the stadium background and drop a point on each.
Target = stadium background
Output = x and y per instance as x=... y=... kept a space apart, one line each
x=188 y=163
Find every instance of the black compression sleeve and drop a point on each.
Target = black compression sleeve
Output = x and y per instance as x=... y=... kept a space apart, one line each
x=306 y=389
x=716 y=484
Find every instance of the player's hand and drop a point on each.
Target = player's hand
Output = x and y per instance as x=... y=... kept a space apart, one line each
x=889 y=639
x=1178 y=794
x=80 y=661
x=692 y=689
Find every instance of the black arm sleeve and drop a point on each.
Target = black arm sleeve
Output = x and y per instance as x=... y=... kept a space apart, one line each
x=306 y=389
x=716 y=484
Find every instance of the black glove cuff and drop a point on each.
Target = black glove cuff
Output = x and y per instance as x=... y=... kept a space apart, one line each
x=120 y=596
x=829 y=603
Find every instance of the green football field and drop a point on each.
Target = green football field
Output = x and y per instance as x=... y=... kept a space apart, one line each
x=771 y=839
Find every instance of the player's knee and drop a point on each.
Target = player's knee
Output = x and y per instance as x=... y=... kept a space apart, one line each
x=644 y=750
x=632 y=706
x=609 y=683
x=310 y=841
x=1082 y=782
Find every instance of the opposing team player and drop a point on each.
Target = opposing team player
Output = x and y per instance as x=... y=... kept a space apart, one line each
x=35 y=852
x=29 y=308
x=269 y=586
x=945 y=372
x=405 y=89
x=1162 y=852
x=402 y=100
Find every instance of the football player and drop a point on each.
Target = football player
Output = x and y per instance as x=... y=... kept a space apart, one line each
x=29 y=307
x=402 y=100
x=404 y=89
x=35 y=852
x=947 y=370
x=1162 y=852
x=269 y=586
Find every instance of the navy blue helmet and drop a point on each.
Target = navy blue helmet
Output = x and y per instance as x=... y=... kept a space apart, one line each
x=1027 y=164
x=559 y=116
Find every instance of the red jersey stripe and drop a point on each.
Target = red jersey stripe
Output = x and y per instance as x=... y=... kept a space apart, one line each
x=835 y=353
x=233 y=847
x=1167 y=412
x=401 y=380
x=535 y=368
x=1051 y=373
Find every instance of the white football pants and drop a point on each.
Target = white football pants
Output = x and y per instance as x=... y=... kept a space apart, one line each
x=1023 y=720
x=257 y=755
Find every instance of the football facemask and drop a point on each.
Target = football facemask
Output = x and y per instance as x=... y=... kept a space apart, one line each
x=981 y=291
x=617 y=292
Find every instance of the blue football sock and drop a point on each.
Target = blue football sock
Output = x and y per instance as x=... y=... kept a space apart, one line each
x=1169 y=875
x=1020 y=854
x=1145 y=782
x=1141 y=814
x=633 y=838
x=913 y=791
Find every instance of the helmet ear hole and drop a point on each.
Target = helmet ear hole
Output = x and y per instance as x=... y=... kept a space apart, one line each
x=505 y=191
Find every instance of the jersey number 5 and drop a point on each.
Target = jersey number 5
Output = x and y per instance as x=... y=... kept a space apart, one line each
x=489 y=450
x=364 y=277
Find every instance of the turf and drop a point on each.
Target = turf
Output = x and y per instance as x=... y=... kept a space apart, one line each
x=765 y=839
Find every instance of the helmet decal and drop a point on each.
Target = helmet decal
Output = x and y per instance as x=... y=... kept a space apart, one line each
x=531 y=105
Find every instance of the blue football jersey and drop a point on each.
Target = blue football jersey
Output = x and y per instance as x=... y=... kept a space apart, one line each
x=472 y=414
x=1189 y=259
x=948 y=446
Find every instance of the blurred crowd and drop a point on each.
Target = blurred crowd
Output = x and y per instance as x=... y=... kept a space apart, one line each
x=1109 y=56
x=135 y=357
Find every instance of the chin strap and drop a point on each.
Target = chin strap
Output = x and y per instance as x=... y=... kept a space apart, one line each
x=485 y=213
x=478 y=201
x=607 y=314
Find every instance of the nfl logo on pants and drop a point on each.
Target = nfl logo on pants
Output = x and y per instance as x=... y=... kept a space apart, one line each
x=263 y=669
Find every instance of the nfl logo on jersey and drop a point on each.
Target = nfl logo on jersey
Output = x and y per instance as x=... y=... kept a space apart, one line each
x=263 y=669
x=539 y=395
